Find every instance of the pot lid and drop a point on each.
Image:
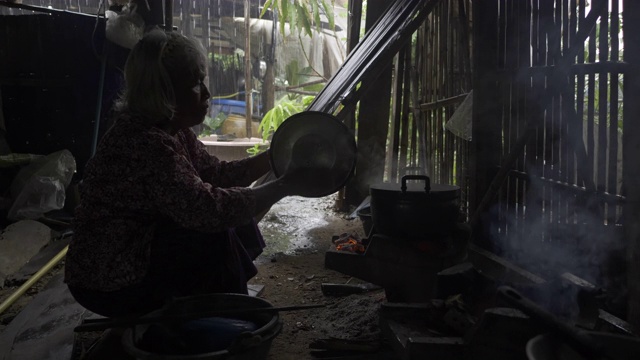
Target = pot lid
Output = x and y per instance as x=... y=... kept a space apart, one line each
x=419 y=184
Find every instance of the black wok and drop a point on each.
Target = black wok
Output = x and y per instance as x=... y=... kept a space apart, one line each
x=317 y=142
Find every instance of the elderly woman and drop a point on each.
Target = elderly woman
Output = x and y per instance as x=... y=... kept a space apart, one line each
x=159 y=217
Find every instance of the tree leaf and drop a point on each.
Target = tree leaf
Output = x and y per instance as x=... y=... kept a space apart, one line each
x=315 y=11
x=265 y=123
x=307 y=100
x=328 y=10
x=266 y=7
x=304 y=18
x=278 y=116
x=293 y=20
x=284 y=9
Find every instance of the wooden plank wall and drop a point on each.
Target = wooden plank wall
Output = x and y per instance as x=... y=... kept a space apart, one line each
x=551 y=203
x=81 y=6
x=431 y=79
x=200 y=19
x=631 y=149
x=188 y=16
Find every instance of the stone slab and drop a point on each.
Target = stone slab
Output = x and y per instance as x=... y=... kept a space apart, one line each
x=37 y=262
x=19 y=242
x=255 y=289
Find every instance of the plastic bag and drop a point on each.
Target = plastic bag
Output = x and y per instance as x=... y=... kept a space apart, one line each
x=460 y=122
x=124 y=29
x=40 y=186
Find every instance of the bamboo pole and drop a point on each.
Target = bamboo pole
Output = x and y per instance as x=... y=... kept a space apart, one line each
x=612 y=178
x=248 y=98
x=108 y=323
x=485 y=151
x=395 y=124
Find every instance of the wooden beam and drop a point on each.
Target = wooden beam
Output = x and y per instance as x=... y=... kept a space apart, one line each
x=601 y=196
x=444 y=102
x=395 y=127
x=46 y=10
x=485 y=149
x=353 y=30
x=373 y=122
x=168 y=15
x=631 y=152
x=269 y=80
x=151 y=11
x=354 y=8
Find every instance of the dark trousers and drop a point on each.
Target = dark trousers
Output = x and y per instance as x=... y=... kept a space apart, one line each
x=183 y=263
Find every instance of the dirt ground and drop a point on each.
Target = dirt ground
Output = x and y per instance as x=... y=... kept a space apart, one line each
x=294 y=276
x=298 y=232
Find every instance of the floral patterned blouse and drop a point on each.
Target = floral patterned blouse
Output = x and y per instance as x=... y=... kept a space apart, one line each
x=141 y=176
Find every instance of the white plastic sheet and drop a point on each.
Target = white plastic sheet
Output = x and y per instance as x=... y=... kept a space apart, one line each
x=40 y=187
x=460 y=122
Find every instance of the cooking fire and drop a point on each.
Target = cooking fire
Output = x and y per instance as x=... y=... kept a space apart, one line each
x=349 y=242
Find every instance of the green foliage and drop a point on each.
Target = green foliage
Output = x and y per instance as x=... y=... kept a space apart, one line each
x=292 y=72
x=328 y=11
x=296 y=76
x=302 y=15
x=284 y=108
x=276 y=116
x=210 y=125
x=225 y=62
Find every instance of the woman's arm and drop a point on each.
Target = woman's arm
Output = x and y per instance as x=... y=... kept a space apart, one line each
x=224 y=173
x=258 y=165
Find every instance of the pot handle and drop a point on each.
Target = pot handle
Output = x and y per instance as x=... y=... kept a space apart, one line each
x=427 y=182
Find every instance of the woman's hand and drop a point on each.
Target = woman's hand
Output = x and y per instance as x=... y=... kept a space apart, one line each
x=309 y=182
x=259 y=165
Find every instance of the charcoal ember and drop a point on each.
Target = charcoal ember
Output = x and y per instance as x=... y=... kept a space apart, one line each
x=349 y=242
x=343 y=238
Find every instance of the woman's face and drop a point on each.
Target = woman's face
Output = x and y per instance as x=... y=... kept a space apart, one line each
x=192 y=95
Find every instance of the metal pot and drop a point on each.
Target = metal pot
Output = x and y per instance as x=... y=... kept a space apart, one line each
x=414 y=210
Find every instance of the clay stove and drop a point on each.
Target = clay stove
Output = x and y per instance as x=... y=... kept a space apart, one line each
x=441 y=297
x=406 y=269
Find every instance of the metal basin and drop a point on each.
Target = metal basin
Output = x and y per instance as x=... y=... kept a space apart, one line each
x=550 y=347
x=243 y=337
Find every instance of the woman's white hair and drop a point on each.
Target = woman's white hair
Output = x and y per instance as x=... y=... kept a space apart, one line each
x=149 y=70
